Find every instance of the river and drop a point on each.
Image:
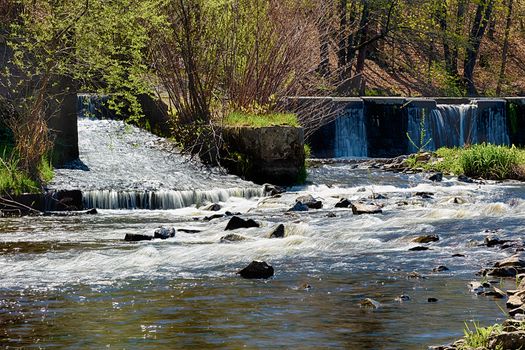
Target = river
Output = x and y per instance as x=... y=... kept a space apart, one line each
x=73 y=282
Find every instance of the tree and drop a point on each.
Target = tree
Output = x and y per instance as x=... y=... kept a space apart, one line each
x=479 y=25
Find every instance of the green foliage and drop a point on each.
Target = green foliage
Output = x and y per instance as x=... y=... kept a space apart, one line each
x=490 y=162
x=480 y=161
x=479 y=337
x=307 y=151
x=260 y=120
x=15 y=181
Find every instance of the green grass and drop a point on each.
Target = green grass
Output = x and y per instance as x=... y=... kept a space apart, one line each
x=15 y=182
x=484 y=161
x=479 y=337
x=261 y=120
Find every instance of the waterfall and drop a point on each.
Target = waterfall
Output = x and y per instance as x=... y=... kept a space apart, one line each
x=92 y=106
x=350 y=134
x=456 y=126
x=162 y=199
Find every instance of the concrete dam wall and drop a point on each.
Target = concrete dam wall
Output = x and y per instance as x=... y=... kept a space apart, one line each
x=392 y=126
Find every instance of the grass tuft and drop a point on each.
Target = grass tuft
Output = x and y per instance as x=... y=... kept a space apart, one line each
x=484 y=161
x=261 y=120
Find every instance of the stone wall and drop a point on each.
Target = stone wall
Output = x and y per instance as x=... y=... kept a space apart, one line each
x=265 y=155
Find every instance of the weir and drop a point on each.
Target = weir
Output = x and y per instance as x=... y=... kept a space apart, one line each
x=388 y=127
x=125 y=167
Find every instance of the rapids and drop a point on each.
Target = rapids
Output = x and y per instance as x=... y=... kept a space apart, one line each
x=73 y=282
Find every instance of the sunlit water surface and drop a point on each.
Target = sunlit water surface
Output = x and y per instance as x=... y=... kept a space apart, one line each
x=73 y=282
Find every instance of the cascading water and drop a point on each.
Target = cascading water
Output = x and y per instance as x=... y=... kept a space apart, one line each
x=93 y=106
x=124 y=167
x=350 y=134
x=456 y=126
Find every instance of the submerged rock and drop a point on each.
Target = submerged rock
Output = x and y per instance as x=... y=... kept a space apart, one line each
x=299 y=206
x=310 y=201
x=331 y=215
x=213 y=217
x=277 y=232
x=343 y=203
x=164 y=232
x=131 y=237
x=440 y=268
x=402 y=298
x=257 y=270
x=424 y=195
x=426 y=239
x=419 y=248
x=360 y=209
x=232 y=237
x=432 y=300
x=478 y=287
x=237 y=223
x=370 y=303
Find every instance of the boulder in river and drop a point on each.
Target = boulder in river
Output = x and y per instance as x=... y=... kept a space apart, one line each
x=232 y=237
x=132 y=237
x=491 y=241
x=432 y=300
x=277 y=232
x=343 y=203
x=212 y=207
x=507 y=340
x=236 y=223
x=464 y=178
x=164 y=232
x=310 y=201
x=426 y=239
x=299 y=206
x=360 y=209
x=272 y=190
x=437 y=177
x=257 y=270
x=424 y=195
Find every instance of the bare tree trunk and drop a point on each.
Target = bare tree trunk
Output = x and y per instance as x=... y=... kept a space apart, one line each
x=359 y=82
x=505 y=47
x=324 y=43
x=479 y=26
x=341 y=54
x=447 y=52
x=351 y=41
x=460 y=17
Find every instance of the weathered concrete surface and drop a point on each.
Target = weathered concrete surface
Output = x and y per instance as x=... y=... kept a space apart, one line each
x=43 y=202
x=272 y=154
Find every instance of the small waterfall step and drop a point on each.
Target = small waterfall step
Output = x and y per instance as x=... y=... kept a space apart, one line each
x=124 y=167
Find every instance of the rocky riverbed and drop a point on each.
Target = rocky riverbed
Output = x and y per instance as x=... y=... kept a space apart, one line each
x=361 y=258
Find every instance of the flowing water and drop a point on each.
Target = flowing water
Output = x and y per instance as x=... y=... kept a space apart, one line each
x=456 y=126
x=350 y=134
x=73 y=282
